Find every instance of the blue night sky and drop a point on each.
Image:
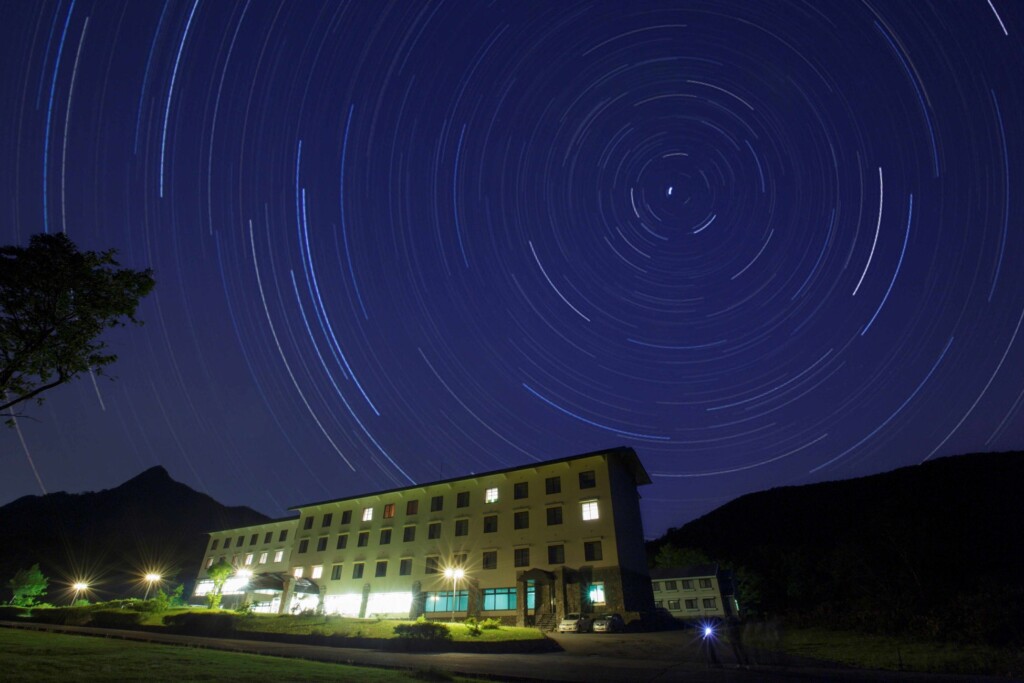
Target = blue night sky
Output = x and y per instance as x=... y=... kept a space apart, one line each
x=763 y=244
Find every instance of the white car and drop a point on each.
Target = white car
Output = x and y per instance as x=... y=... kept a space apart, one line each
x=574 y=622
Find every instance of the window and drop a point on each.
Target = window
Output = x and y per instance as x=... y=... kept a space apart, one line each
x=263 y=557
x=321 y=544
x=248 y=559
x=670 y=585
x=282 y=536
x=227 y=543
x=408 y=534
x=431 y=566
x=364 y=539
x=241 y=540
x=412 y=507
x=213 y=546
x=490 y=559
x=490 y=524
x=209 y=562
x=461 y=527
x=278 y=555
x=269 y=537
x=336 y=572
x=709 y=603
x=303 y=545
x=673 y=604
x=589 y=508
x=357 y=570
x=434 y=530
x=588 y=480
x=385 y=536
x=382 y=569
x=297 y=572
x=705 y=583
x=317 y=572
x=346 y=517
x=342 y=542
x=592 y=553
x=553 y=485
x=462 y=500
x=437 y=503
x=521 y=490
x=656 y=586
x=405 y=566
x=659 y=603
x=367 y=514
x=491 y=495
x=253 y=539
x=554 y=516
x=521 y=519
x=389 y=511
x=596 y=593
x=499 y=598
x=556 y=554
x=522 y=557
x=443 y=601
x=460 y=559
x=327 y=519
x=691 y=603
x=307 y=523
x=687 y=584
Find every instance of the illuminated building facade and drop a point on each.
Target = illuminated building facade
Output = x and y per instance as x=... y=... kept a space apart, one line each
x=694 y=593
x=525 y=545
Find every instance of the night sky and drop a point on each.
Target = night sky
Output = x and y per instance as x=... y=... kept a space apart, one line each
x=762 y=243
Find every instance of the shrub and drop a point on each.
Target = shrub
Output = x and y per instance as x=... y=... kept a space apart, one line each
x=426 y=630
x=65 y=616
x=202 y=623
x=116 y=618
x=490 y=624
x=12 y=612
x=472 y=627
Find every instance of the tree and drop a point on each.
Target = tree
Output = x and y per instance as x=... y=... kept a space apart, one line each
x=219 y=574
x=55 y=301
x=672 y=556
x=27 y=585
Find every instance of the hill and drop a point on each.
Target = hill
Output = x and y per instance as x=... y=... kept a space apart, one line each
x=929 y=549
x=110 y=538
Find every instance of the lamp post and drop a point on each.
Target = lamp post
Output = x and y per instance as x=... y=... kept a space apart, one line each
x=79 y=587
x=151 y=578
x=454 y=574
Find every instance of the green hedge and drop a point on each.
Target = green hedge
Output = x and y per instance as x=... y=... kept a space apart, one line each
x=65 y=616
x=116 y=618
x=423 y=630
x=8 y=612
x=202 y=623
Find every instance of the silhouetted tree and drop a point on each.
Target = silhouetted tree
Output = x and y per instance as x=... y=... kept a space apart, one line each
x=55 y=301
x=27 y=585
x=671 y=556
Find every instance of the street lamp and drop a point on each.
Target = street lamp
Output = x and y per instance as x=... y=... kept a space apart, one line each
x=455 y=574
x=79 y=587
x=151 y=578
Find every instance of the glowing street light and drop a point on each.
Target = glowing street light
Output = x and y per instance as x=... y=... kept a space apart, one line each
x=79 y=587
x=455 y=574
x=151 y=578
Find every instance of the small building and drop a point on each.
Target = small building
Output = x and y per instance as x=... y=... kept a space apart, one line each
x=526 y=545
x=694 y=593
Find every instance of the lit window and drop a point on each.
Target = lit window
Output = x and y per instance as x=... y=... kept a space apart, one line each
x=389 y=511
x=278 y=555
x=367 y=514
x=499 y=598
x=263 y=557
x=297 y=572
x=248 y=559
x=318 y=571
x=589 y=508
x=491 y=495
x=596 y=593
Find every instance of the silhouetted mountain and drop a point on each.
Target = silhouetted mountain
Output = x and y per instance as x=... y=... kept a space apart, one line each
x=919 y=548
x=111 y=537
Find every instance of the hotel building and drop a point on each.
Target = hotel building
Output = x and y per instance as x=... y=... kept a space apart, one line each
x=525 y=545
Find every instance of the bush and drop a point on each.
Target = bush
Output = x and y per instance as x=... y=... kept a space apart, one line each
x=202 y=623
x=472 y=627
x=65 y=616
x=116 y=618
x=12 y=612
x=492 y=623
x=426 y=630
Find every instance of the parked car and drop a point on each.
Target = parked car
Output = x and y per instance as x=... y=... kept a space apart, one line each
x=608 y=623
x=574 y=622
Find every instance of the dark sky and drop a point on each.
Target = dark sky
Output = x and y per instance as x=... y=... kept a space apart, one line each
x=761 y=243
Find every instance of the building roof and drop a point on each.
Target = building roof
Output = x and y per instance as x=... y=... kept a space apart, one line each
x=693 y=572
x=626 y=454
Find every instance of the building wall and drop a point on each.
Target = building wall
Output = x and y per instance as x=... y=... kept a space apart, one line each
x=244 y=547
x=685 y=602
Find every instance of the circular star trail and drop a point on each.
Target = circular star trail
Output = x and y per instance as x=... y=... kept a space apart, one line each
x=398 y=242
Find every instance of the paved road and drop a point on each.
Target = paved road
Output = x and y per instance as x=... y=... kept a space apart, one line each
x=616 y=658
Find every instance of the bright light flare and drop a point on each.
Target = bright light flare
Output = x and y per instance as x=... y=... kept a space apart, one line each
x=80 y=586
x=151 y=577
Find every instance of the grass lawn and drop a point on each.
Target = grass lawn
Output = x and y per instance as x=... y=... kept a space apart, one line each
x=371 y=628
x=54 y=657
x=880 y=652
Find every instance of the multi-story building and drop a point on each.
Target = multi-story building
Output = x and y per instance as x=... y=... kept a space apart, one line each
x=698 y=592
x=520 y=544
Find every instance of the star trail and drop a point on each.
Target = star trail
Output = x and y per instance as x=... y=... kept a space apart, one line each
x=764 y=244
